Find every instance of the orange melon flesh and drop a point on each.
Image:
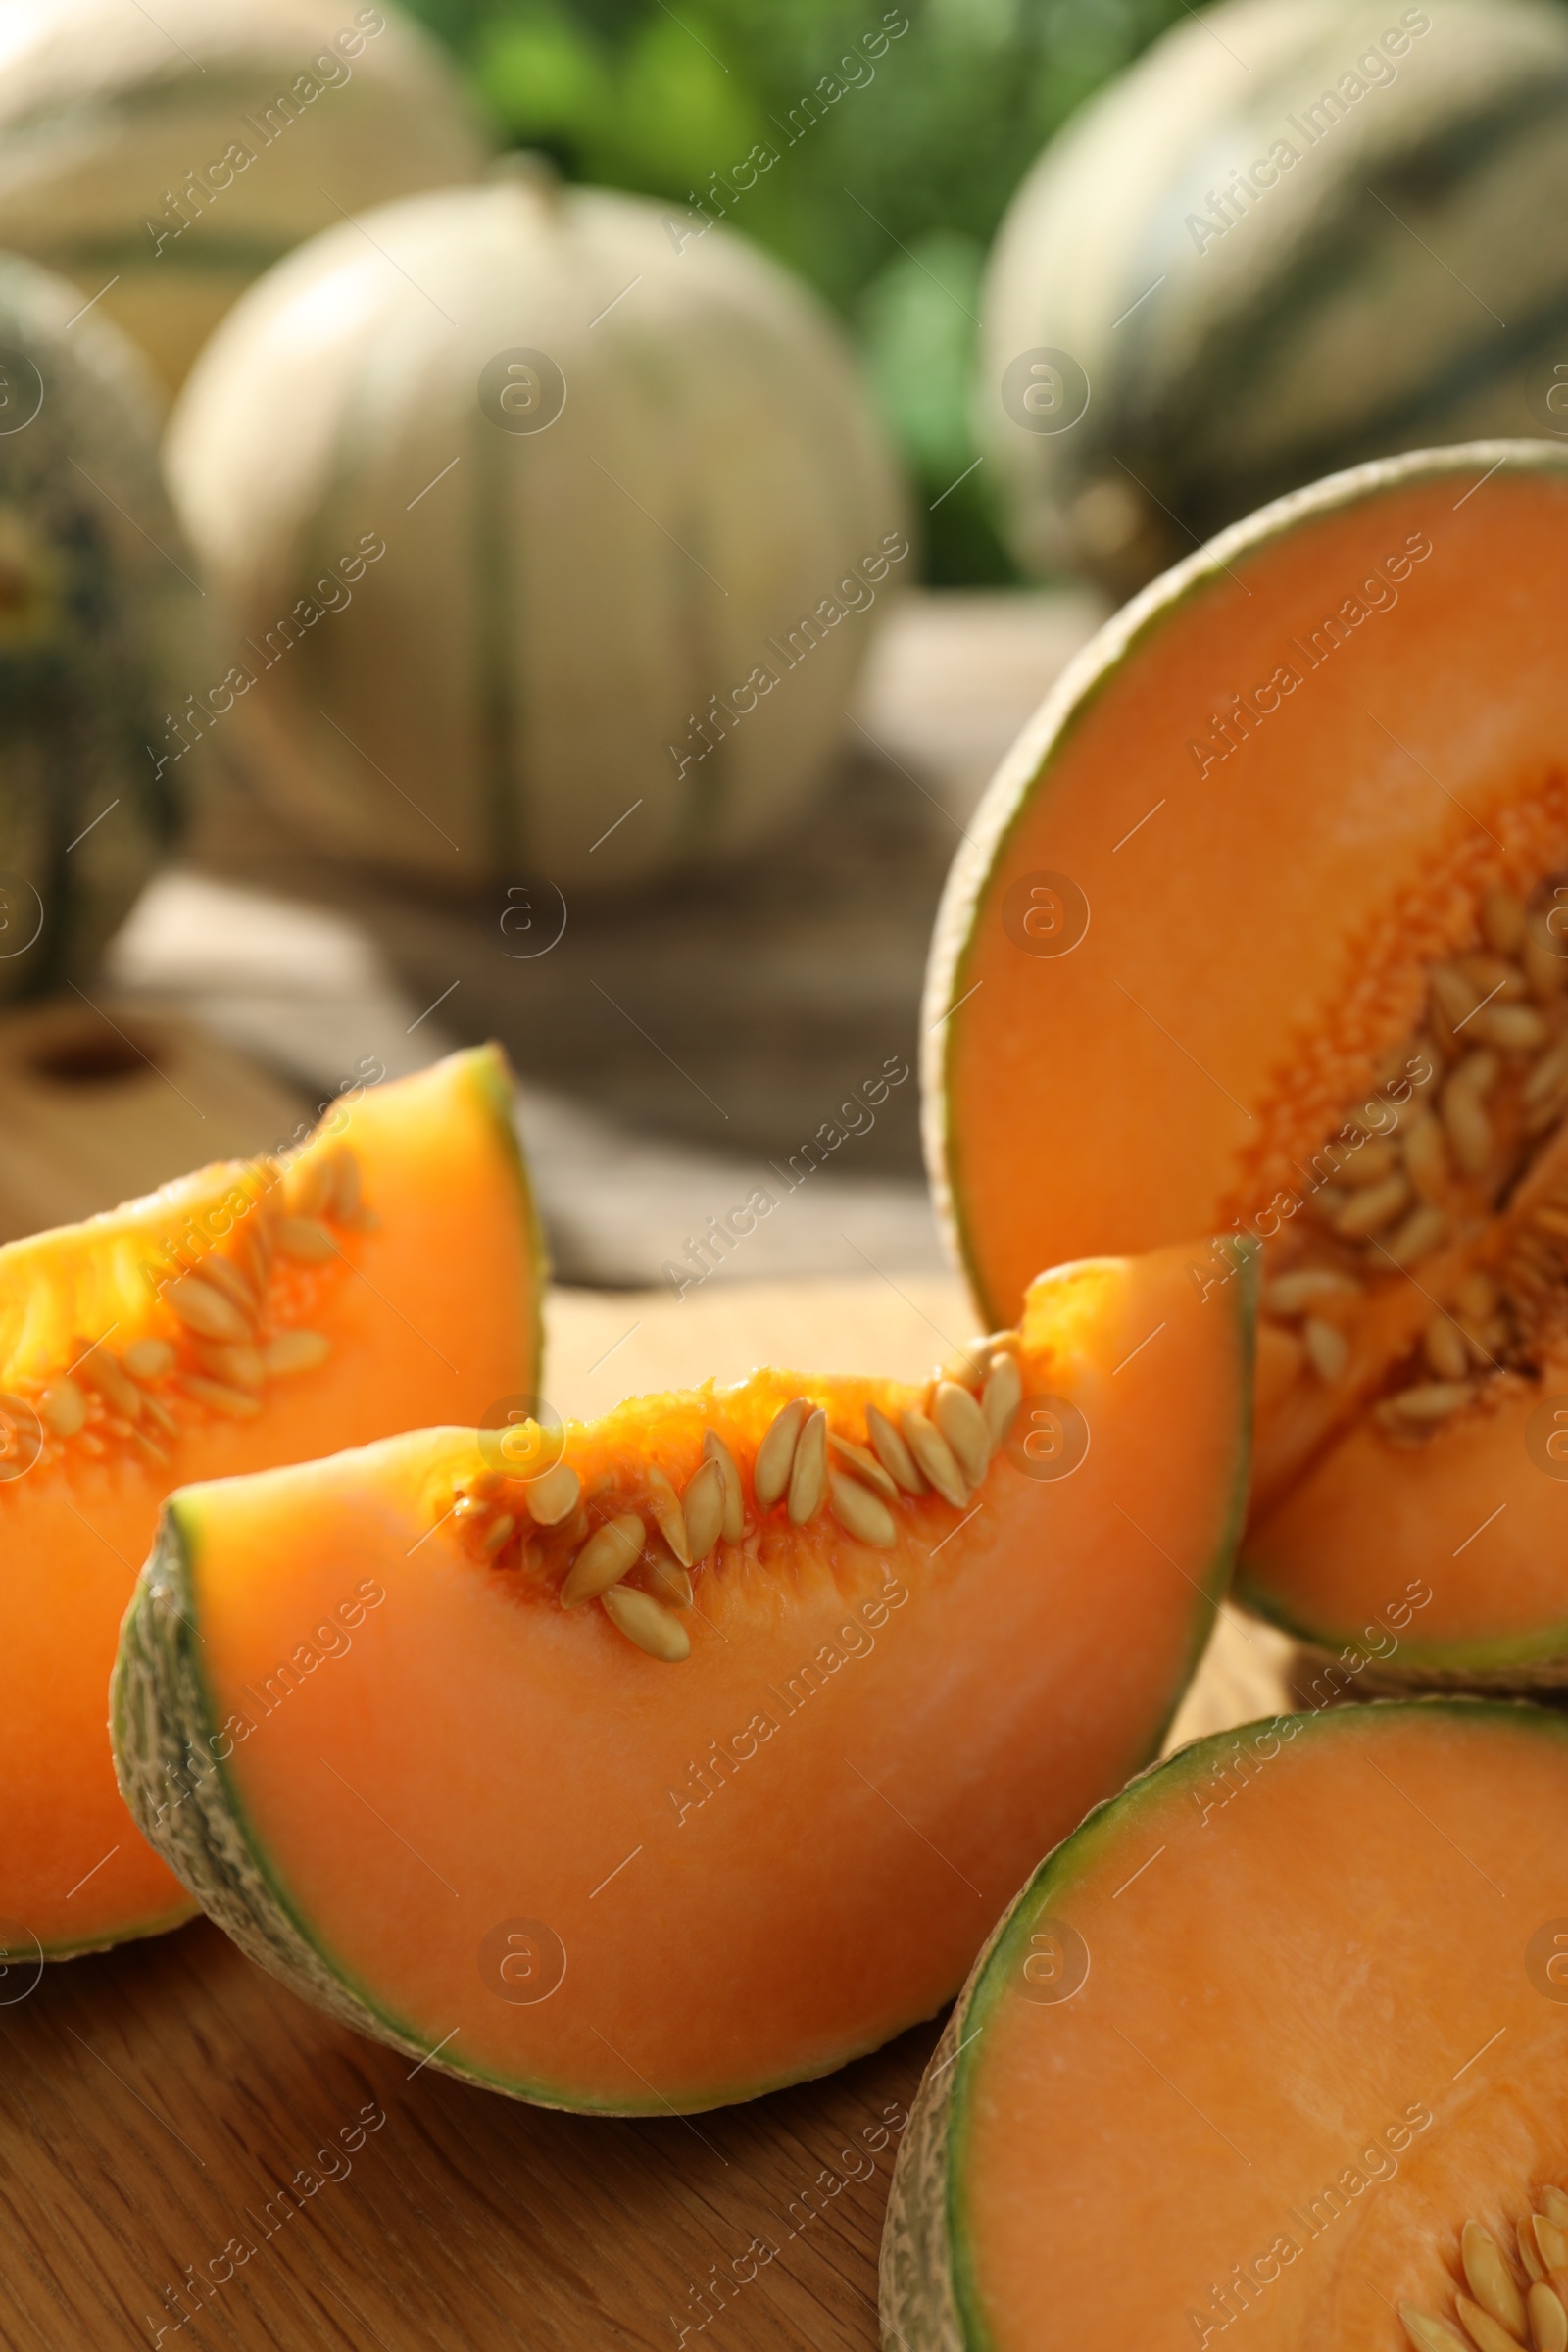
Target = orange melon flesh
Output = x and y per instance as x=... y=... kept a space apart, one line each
x=756 y=1861
x=1261 y=922
x=1316 y=2036
x=431 y=1308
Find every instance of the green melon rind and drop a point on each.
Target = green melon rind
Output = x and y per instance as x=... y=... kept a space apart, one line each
x=929 y=2300
x=1508 y=1662
x=1026 y=768
x=1243 y=1287
x=161 y=1711
x=492 y=1079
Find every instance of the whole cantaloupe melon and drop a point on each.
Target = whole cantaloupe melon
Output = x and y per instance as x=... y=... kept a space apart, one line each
x=162 y=158
x=553 y=526
x=1298 y=234
x=99 y=609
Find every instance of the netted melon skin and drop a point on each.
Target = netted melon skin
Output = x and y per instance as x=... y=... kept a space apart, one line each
x=101 y=629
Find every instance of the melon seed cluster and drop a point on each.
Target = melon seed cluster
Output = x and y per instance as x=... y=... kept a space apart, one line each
x=1495 y=2314
x=1422 y=1187
x=802 y=1465
x=229 y=1345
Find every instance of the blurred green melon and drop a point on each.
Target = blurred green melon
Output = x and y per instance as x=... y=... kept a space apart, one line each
x=99 y=612
x=1297 y=234
x=160 y=158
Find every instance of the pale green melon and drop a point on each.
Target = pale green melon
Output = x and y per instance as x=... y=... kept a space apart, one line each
x=483 y=639
x=99 y=615
x=163 y=158
x=1266 y=277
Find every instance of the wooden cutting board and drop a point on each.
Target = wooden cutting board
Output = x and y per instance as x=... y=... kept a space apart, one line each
x=190 y=2155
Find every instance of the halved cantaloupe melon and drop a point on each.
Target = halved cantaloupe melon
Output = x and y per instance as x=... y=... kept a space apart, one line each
x=1268 y=2052
x=697 y=1754
x=386 y=1271
x=1265 y=925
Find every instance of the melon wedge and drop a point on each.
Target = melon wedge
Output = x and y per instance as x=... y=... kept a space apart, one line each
x=1264 y=927
x=470 y=1756
x=252 y=1314
x=1268 y=2052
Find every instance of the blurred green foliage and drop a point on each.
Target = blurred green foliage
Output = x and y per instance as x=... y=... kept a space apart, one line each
x=893 y=170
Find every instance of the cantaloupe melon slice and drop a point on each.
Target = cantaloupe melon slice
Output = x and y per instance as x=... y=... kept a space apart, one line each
x=1265 y=925
x=1267 y=2053
x=674 y=1838
x=385 y=1272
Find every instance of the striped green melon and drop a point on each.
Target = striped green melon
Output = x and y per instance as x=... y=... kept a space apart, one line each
x=166 y=155
x=1266 y=277
x=98 y=613
x=592 y=618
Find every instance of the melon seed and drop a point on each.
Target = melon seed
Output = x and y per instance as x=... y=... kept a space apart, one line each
x=238 y=1403
x=1497 y=978
x=931 y=1450
x=241 y=1367
x=63 y=1406
x=1430 y=1400
x=1002 y=1396
x=1554 y=2205
x=1548 y=2320
x=1516 y=1028
x=1526 y=2235
x=1426 y=1155
x=1543 y=955
x=1429 y=2334
x=775 y=1456
x=1327 y=1348
x=1453 y=992
x=553 y=1497
x=148 y=1359
x=1370 y=1210
x=1446 y=1350
x=668 y=1581
x=312 y=1188
x=1289 y=1292
x=860 y=1512
x=1503 y=920
x=1549 y=1072
x=865 y=1466
x=101 y=1371
x=663 y=1504
x=892 y=1452
x=714 y=1449
x=497 y=1533
x=1486 y=2332
x=1423 y=1229
x=963 y=1425
x=1491 y=2281
x=1551 y=2243
x=205 y=1310
x=294 y=1352
x=1465 y=1118
x=306 y=1240
x=808 y=1470
x=1477 y=1297
x=610 y=1552
x=705 y=1509
x=225 y=1276
x=1372 y=1163
x=648 y=1623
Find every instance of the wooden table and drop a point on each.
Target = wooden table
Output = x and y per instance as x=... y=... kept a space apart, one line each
x=158 y=2102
